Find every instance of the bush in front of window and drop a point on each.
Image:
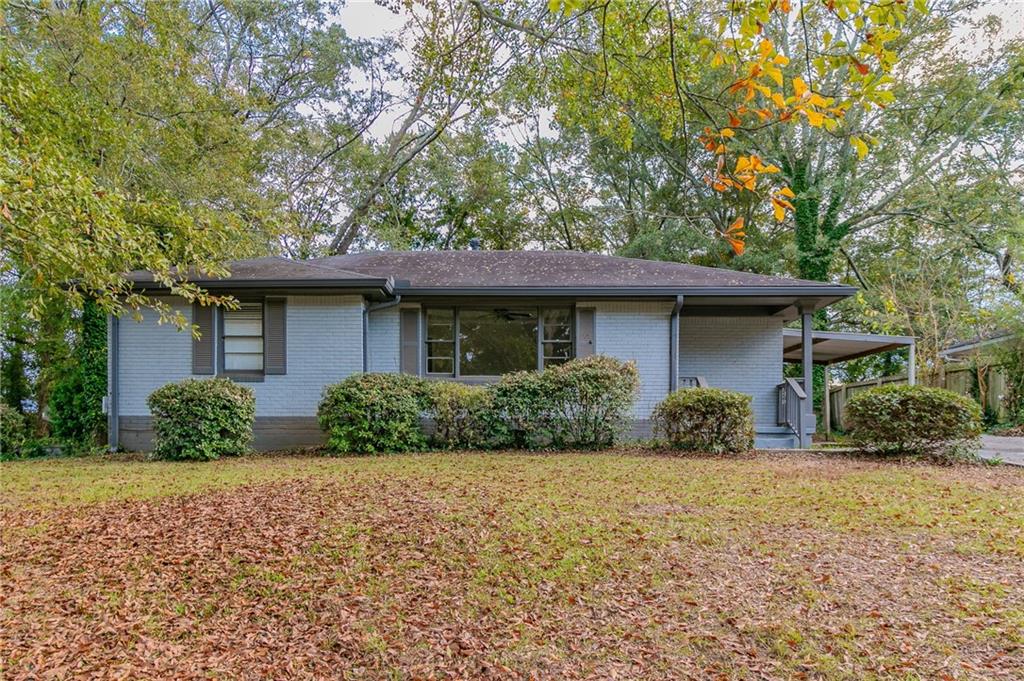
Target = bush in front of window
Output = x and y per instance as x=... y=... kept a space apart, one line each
x=905 y=420
x=589 y=401
x=708 y=420
x=202 y=419
x=522 y=399
x=371 y=413
x=464 y=417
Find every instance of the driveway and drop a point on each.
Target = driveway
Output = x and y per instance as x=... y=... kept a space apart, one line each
x=1009 y=449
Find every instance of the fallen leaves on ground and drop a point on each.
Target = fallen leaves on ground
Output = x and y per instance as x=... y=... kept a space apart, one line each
x=497 y=566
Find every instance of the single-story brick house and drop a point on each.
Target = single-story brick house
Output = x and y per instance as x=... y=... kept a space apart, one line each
x=469 y=316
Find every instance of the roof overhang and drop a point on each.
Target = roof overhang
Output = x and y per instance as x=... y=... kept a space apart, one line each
x=829 y=347
x=379 y=288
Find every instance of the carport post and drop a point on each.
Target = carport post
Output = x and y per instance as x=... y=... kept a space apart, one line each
x=827 y=404
x=808 y=367
x=912 y=364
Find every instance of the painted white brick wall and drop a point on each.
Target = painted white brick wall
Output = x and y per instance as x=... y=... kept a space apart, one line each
x=325 y=344
x=151 y=355
x=637 y=331
x=736 y=353
x=383 y=340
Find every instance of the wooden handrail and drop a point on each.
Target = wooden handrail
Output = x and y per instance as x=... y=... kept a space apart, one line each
x=797 y=388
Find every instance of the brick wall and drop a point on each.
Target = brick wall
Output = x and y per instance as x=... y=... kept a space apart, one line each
x=737 y=353
x=325 y=344
x=637 y=331
x=383 y=340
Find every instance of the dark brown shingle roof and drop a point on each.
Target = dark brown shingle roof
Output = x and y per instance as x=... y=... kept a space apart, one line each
x=543 y=269
x=508 y=271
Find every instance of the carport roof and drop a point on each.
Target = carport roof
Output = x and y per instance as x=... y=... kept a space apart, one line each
x=829 y=347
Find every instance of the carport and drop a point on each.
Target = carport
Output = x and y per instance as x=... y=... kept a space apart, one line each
x=832 y=347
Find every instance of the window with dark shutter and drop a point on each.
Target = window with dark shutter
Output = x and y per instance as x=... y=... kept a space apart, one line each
x=274 y=337
x=202 y=347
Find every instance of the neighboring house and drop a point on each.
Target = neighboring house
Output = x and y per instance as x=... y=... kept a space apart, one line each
x=469 y=316
x=972 y=349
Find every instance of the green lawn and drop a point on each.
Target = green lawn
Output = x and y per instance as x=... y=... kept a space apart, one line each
x=550 y=566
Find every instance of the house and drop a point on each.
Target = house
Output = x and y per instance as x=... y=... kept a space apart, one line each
x=470 y=316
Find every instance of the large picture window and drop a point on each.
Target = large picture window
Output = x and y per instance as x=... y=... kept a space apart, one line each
x=243 y=338
x=495 y=341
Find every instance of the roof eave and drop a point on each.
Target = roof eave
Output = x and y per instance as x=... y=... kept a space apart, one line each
x=833 y=291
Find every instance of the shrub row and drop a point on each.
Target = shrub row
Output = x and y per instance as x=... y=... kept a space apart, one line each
x=584 y=404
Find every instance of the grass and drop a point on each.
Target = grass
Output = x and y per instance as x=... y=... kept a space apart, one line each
x=554 y=566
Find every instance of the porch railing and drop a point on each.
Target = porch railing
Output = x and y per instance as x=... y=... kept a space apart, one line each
x=791 y=397
x=692 y=382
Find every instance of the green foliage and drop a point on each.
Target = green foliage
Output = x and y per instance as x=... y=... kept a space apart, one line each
x=371 y=413
x=583 y=403
x=464 y=417
x=903 y=420
x=12 y=432
x=523 y=400
x=706 y=420
x=202 y=419
x=76 y=406
x=1011 y=360
x=590 y=400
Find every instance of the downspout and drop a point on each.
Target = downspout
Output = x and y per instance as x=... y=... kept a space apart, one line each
x=673 y=346
x=113 y=389
x=367 y=309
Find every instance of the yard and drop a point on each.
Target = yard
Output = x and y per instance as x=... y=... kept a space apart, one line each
x=546 y=566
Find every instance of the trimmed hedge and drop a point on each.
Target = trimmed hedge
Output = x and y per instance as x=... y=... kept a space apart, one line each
x=464 y=417
x=13 y=431
x=706 y=420
x=904 y=420
x=590 y=400
x=202 y=419
x=370 y=413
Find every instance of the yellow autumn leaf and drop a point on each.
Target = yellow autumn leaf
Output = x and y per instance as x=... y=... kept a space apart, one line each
x=814 y=118
x=774 y=73
x=799 y=86
x=860 y=146
x=770 y=168
x=778 y=100
x=779 y=211
x=781 y=59
x=727 y=132
x=766 y=48
x=786 y=191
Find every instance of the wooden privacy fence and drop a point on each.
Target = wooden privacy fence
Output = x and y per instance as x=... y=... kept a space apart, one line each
x=959 y=379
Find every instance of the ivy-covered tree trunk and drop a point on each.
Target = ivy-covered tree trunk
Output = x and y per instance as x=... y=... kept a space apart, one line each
x=76 y=406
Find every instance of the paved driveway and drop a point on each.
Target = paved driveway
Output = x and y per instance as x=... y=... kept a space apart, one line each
x=1009 y=449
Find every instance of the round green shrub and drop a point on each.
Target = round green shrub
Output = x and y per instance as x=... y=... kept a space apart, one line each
x=369 y=413
x=464 y=417
x=904 y=420
x=202 y=419
x=706 y=420
x=522 y=399
x=13 y=430
x=590 y=400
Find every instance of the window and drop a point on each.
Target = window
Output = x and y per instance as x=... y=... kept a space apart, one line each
x=557 y=345
x=440 y=341
x=495 y=342
x=491 y=342
x=243 y=338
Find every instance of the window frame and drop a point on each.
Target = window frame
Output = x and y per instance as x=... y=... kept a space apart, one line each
x=456 y=308
x=243 y=375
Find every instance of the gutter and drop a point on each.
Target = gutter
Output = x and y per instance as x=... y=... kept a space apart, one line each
x=626 y=291
x=113 y=388
x=367 y=309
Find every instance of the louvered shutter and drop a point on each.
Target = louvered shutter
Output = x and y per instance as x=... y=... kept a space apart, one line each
x=202 y=347
x=275 y=337
x=410 y=342
x=584 y=332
